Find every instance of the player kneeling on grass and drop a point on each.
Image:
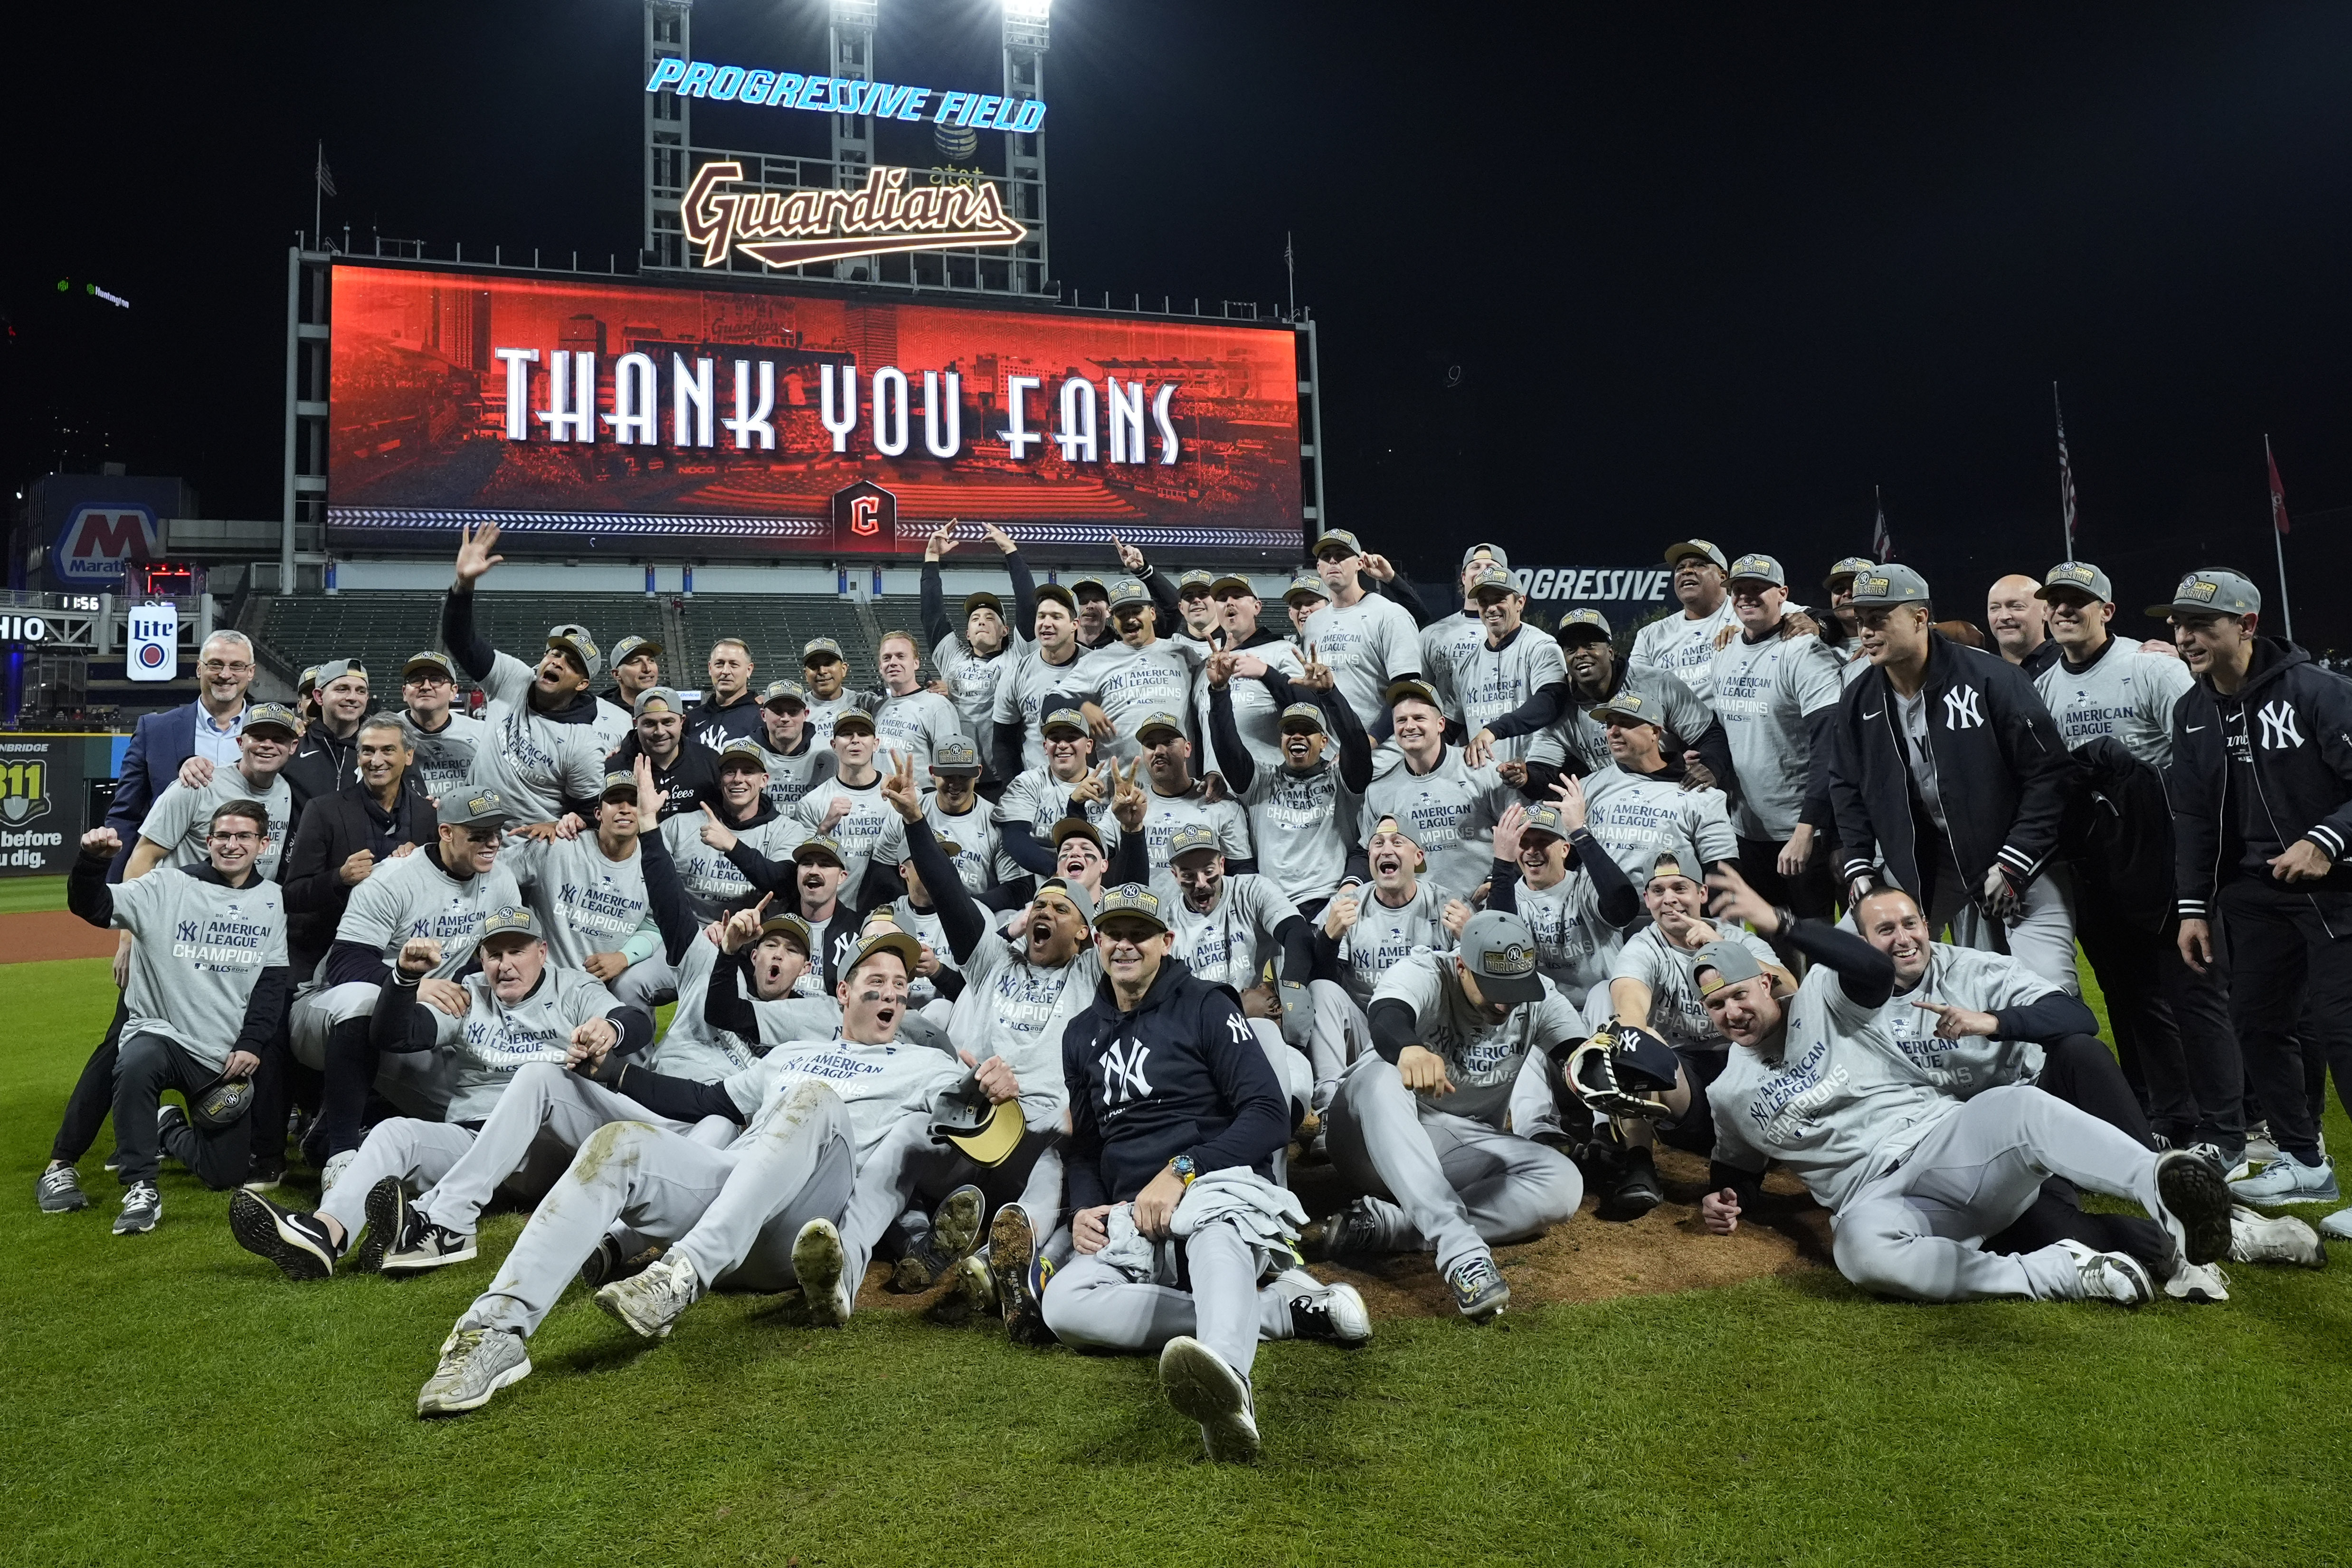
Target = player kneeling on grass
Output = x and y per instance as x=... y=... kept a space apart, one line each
x=1913 y=1178
x=1184 y=1244
x=1417 y=1127
x=520 y=1011
x=208 y=989
x=761 y=1214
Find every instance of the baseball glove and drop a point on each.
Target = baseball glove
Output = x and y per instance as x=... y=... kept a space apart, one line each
x=220 y=1103
x=1618 y=1070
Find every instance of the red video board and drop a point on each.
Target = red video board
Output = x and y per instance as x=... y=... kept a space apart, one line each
x=642 y=419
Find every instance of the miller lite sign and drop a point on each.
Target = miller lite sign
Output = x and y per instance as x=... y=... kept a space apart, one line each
x=99 y=540
x=154 y=653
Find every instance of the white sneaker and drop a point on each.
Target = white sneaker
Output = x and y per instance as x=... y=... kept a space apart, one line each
x=2287 y=1180
x=819 y=1263
x=475 y=1364
x=2203 y=1283
x=1199 y=1385
x=2283 y=1239
x=650 y=1301
x=332 y=1171
x=2338 y=1226
x=1335 y=1314
x=2111 y=1276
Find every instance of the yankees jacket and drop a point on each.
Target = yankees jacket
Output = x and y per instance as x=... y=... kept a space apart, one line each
x=2295 y=721
x=1182 y=1074
x=2007 y=779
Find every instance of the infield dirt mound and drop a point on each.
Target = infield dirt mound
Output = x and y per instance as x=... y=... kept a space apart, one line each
x=32 y=937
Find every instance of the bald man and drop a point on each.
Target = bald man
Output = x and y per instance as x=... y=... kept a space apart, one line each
x=2020 y=624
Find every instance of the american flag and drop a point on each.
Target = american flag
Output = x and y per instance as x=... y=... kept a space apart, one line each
x=1881 y=543
x=322 y=175
x=2065 y=473
x=2278 y=490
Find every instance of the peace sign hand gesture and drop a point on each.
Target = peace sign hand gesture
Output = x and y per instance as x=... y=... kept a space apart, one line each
x=1126 y=801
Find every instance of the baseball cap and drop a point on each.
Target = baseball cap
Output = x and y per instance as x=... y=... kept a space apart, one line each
x=2080 y=575
x=1069 y=719
x=1303 y=719
x=512 y=920
x=1070 y=827
x=1340 y=537
x=785 y=924
x=1892 y=584
x=956 y=756
x=883 y=935
x=1628 y=704
x=783 y=692
x=1097 y=586
x=1759 y=568
x=1417 y=690
x=628 y=649
x=273 y=713
x=474 y=807
x=1544 y=818
x=335 y=669
x=982 y=600
x=1493 y=578
x=984 y=1131
x=1195 y=578
x=1493 y=551
x=438 y=663
x=619 y=785
x=1080 y=898
x=573 y=640
x=816 y=650
x=852 y=720
x=1847 y=567
x=1676 y=552
x=664 y=697
x=306 y=683
x=1581 y=625
x=1731 y=962
x=1498 y=952
x=742 y=749
x=1218 y=585
x=1306 y=584
x=2210 y=590
x=1127 y=591
x=1190 y=837
x=1159 y=723
x=822 y=847
x=1057 y=594
x=1134 y=900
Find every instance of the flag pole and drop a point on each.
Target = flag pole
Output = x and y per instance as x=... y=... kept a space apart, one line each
x=1290 y=267
x=2278 y=535
x=318 y=196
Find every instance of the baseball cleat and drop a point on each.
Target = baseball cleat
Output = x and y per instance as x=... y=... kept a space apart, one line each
x=2198 y=1202
x=608 y=1263
x=818 y=1262
x=1019 y=1275
x=2203 y=1283
x=264 y=1175
x=650 y=1301
x=970 y=1293
x=2110 y=1276
x=1335 y=1314
x=1351 y=1231
x=296 y=1242
x=1637 y=1190
x=1479 y=1291
x=955 y=1231
x=1200 y=1386
x=2338 y=1226
x=143 y=1206
x=59 y=1191
x=475 y=1364
x=2283 y=1239
x=2287 y=1180
x=332 y=1171
x=426 y=1246
x=389 y=1220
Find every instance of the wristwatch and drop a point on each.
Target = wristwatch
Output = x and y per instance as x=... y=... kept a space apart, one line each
x=1183 y=1165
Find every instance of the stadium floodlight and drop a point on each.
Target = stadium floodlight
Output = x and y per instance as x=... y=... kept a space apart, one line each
x=1029 y=10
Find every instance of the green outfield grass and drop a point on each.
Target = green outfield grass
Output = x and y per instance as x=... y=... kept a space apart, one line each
x=19 y=895
x=172 y=1399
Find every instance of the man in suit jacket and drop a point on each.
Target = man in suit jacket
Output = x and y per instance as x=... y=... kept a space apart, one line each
x=162 y=743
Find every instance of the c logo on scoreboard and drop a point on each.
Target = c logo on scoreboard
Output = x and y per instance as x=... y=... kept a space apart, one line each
x=864 y=516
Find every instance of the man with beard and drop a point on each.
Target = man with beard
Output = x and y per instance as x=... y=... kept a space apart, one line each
x=685 y=770
x=1844 y=635
x=973 y=661
x=1447 y=641
x=445 y=739
x=727 y=711
x=1256 y=712
x=328 y=757
x=822 y=673
x=1642 y=806
x=1143 y=674
x=1684 y=645
x=699 y=843
x=1776 y=696
x=797 y=760
x=2020 y=622
x=540 y=755
x=1303 y=811
x=1031 y=686
x=636 y=667
x=1091 y=596
x=1177 y=799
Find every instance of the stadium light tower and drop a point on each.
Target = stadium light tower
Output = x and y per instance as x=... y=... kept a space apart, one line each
x=668 y=35
x=1028 y=31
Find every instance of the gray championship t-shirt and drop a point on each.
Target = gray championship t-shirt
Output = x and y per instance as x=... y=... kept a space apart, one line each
x=445 y=757
x=1578 y=735
x=1489 y=682
x=1984 y=983
x=1366 y=644
x=1037 y=797
x=1024 y=694
x=1764 y=693
x=1132 y=684
x=1575 y=948
x=1018 y=1010
x=1164 y=813
x=1256 y=718
x=1685 y=647
x=1639 y=817
x=585 y=902
x=536 y=762
x=1482 y=1056
x=916 y=724
x=495 y=1039
x=1450 y=812
x=181 y=819
x=198 y=947
x=1383 y=938
x=711 y=881
x=412 y=896
x=1677 y=1015
x=978 y=842
x=1303 y=825
x=859 y=834
x=1445 y=644
x=788 y=778
x=2127 y=692
x=1226 y=944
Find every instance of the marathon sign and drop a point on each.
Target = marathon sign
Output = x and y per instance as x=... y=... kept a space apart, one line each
x=1593 y=584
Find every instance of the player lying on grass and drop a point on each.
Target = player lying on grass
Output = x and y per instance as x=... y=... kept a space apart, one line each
x=1913 y=1178
x=207 y=991
x=1185 y=1245
x=759 y=1213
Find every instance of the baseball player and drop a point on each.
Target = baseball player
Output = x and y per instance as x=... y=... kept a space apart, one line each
x=848 y=807
x=2171 y=1024
x=698 y=842
x=177 y=829
x=1183 y=1241
x=797 y=761
x=1417 y=1127
x=685 y=770
x=445 y=739
x=1684 y=645
x=1643 y=806
x=445 y=892
x=1176 y=799
x=822 y=674
x=1843 y=633
x=1448 y=807
x=1304 y=810
x=759 y=1214
x=1306 y=596
x=1368 y=928
x=1577 y=900
x=1125 y=683
x=1195 y=604
x=1041 y=796
x=974 y=660
x=1032 y=687
x=325 y=759
x=207 y=988
x=636 y=664
x=1568 y=739
x=1225 y=925
x=1256 y=709
x=954 y=810
x=1448 y=640
x=1091 y=602
x=519 y=1008
x=1777 y=697
x=2261 y=811
x=1508 y=665
x=589 y=893
x=1370 y=641
x=1949 y=771
x=910 y=717
x=542 y=754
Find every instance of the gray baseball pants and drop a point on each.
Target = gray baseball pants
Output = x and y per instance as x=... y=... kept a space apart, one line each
x=1091 y=1306
x=1341 y=1034
x=733 y=1213
x=544 y=1113
x=647 y=984
x=1443 y=1181
x=1915 y=1232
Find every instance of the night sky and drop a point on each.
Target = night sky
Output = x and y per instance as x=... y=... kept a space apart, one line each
x=1585 y=286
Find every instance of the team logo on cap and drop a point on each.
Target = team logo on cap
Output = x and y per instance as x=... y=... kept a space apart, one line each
x=2073 y=570
x=1874 y=584
x=513 y=917
x=2200 y=589
x=1508 y=961
x=488 y=800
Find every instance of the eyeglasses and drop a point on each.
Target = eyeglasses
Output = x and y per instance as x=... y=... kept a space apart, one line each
x=223 y=666
x=237 y=837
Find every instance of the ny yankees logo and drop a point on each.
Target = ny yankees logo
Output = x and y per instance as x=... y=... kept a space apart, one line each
x=187 y=930
x=2279 y=732
x=1238 y=1028
x=1960 y=711
x=1123 y=1077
